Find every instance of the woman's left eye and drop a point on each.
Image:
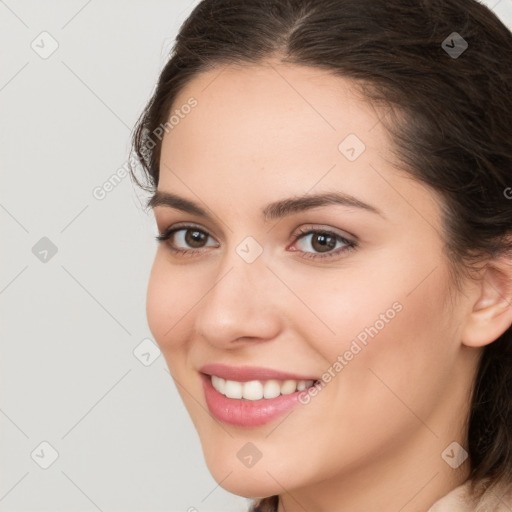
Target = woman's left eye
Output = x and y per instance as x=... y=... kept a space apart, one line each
x=189 y=240
x=323 y=241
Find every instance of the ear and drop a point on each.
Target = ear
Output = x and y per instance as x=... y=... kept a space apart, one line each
x=492 y=310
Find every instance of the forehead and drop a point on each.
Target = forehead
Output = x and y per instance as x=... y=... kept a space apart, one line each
x=276 y=99
x=273 y=114
x=278 y=129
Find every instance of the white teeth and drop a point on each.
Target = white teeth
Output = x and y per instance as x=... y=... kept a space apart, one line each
x=288 y=387
x=233 y=389
x=218 y=383
x=252 y=390
x=271 y=389
x=256 y=390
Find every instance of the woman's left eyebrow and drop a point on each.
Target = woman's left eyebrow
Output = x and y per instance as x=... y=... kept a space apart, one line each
x=284 y=207
x=275 y=210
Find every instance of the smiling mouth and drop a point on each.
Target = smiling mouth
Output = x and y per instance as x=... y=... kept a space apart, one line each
x=258 y=389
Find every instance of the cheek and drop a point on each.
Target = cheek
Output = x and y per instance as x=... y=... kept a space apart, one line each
x=397 y=308
x=397 y=351
x=395 y=358
x=171 y=294
x=389 y=322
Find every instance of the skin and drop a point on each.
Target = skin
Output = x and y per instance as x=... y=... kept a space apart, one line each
x=372 y=438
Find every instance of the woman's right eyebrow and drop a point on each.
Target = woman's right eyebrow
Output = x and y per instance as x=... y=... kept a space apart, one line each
x=170 y=200
x=275 y=210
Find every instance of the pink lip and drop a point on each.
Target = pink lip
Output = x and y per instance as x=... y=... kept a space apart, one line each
x=248 y=373
x=246 y=413
x=242 y=412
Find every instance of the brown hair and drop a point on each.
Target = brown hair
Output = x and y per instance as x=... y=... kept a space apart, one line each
x=454 y=132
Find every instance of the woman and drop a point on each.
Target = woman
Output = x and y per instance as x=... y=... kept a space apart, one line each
x=332 y=288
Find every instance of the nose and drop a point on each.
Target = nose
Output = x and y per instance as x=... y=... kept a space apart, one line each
x=241 y=304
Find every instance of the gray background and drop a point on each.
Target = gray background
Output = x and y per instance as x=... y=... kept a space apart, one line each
x=78 y=367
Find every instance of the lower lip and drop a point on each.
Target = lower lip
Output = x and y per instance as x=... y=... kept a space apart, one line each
x=246 y=413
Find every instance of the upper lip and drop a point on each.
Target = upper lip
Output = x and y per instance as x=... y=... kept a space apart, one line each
x=248 y=373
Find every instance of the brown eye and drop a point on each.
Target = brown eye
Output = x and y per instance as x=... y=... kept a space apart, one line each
x=319 y=243
x=186 y=239
x=195 y=238
x=323 y=242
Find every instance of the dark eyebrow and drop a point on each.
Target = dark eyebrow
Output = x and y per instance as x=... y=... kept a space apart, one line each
x=275 y=210
x=292 y=205
x=160 y=198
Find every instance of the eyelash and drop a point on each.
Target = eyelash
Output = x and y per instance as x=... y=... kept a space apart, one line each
x=349 y=244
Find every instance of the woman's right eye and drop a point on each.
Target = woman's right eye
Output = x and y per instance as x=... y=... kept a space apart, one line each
x=185 y=239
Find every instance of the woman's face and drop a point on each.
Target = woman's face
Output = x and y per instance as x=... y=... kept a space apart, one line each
x=364 y=308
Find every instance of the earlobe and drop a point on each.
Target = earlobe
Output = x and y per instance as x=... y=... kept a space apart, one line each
x=492 y=310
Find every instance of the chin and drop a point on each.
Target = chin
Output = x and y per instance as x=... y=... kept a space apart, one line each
x=248 y=488
x=251 y=483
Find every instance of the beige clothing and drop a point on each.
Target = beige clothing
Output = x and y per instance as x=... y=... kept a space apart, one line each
x=460 y=500
x=457 y=500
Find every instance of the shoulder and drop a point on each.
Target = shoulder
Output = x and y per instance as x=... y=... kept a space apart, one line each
x=494 y=499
